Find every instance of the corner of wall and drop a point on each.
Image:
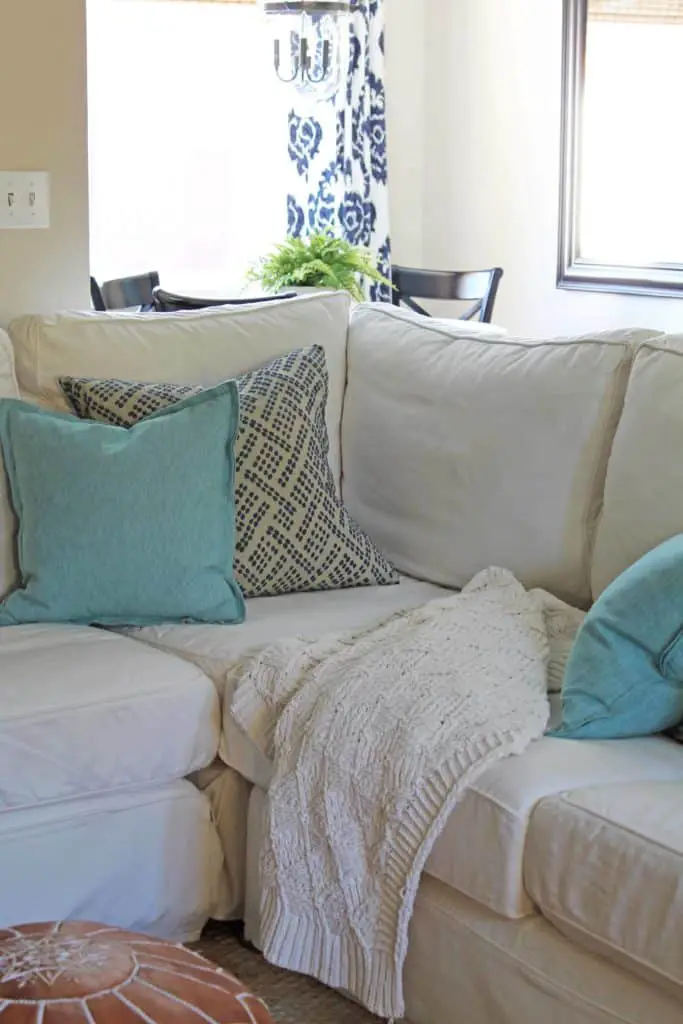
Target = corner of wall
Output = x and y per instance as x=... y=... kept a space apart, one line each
x=44 y=128
x=406 y=125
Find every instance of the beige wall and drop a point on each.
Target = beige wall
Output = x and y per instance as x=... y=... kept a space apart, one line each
x=43 y=127
x=492 y=109
x=405 y=80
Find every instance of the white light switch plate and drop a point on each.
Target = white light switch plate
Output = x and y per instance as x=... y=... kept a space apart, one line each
x=24 y=199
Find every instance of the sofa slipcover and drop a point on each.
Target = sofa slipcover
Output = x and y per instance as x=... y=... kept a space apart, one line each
x=86 y=711
x=481 y=851
x=147 y=858
x=201 y=347
x=215 y=649
x=483 y=848
x=643 y=502
x=467 y=965
x=483 y=452
x=463 y=955
x=604 y=864
x=8 y=561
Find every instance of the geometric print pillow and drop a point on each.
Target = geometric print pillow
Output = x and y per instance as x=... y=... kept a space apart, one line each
x=292 y=532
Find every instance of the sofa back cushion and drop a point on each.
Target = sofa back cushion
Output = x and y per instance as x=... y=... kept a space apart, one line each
x=202 y=347
x=462 y=452
x=8 y=523
x=455 y=327
x=643 y=503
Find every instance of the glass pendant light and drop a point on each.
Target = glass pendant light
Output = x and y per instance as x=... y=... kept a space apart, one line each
x=310 y=44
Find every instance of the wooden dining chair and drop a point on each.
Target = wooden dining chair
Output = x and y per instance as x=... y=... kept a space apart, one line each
x=136 y=292
x=171 y=302
x=477 y=286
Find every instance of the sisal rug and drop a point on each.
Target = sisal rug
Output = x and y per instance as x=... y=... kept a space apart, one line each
x=291 y=998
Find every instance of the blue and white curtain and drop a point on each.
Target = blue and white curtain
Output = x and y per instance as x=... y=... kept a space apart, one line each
x=338 y=151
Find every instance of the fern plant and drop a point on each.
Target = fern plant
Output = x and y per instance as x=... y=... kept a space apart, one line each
x=319 y=261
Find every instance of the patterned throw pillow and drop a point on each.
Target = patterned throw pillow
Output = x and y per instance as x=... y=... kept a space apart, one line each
x=293 y=533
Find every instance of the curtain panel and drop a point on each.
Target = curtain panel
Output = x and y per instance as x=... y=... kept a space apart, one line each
x=662 y=11
x=338 y=151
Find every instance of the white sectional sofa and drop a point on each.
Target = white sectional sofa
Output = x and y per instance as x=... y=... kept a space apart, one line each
x=127 y=792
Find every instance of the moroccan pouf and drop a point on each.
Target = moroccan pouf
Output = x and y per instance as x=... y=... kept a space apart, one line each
x=74 y=971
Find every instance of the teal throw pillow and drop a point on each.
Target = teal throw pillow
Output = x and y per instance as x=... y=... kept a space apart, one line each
x=624 y=676
x=124 y=527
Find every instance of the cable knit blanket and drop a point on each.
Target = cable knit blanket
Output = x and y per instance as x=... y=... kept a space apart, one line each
x=375 y=735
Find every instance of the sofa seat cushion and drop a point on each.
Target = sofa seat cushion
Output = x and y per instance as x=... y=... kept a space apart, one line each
x=84 y=711
x=604 y=864
x=482 y=850
x=216 y=649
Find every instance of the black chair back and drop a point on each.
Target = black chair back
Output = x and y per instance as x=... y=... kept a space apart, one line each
x=478 y=286
x=170 y=302
x=96 y=297
x=131 y=292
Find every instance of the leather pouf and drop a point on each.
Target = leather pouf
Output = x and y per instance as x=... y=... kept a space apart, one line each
x=75 y=971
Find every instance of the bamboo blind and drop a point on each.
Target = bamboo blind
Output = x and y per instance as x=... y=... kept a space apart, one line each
x=662 y=11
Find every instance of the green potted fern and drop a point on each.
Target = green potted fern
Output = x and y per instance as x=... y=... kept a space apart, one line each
x=319 y=261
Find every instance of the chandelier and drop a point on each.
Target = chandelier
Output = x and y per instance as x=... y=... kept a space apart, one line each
x=310 y=43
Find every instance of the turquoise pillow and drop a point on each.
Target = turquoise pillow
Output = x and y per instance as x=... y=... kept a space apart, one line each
x=624 y=676
x=124 y=527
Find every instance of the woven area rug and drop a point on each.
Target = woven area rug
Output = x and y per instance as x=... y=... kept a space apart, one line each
x=291 y=998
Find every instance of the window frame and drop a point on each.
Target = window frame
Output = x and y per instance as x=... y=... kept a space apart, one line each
x=573 y=271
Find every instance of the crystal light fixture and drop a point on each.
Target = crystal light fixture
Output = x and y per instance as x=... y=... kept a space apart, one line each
x=310 y=43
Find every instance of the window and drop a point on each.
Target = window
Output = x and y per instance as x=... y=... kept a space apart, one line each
x=621 y=212
x=187 y=142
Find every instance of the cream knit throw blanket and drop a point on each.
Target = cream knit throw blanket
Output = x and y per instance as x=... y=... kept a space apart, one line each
x=374 y=736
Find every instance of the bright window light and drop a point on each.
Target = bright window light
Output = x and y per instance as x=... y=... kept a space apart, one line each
x=188 y=142
x=631 y=198
x=622 y=205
